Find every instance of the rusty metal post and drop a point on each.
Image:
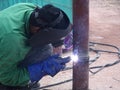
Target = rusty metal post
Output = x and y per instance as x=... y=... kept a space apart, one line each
x=80 y=44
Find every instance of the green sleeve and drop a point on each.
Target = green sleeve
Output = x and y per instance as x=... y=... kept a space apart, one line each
x=12 y=50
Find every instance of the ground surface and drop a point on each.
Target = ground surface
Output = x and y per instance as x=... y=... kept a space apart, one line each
x=104 y=28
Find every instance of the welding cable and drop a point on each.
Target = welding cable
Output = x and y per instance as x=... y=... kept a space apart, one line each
x=43 y=87
x=98 y=54
x=93 y=43
x=107 y=65
x=105 y=45
x=102 y=67
x=104 y=51
x=90 y=61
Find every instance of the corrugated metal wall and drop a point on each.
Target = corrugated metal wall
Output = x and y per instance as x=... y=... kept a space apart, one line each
x=65 y=5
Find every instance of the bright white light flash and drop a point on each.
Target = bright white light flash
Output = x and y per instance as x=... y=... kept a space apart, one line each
x=74 y=57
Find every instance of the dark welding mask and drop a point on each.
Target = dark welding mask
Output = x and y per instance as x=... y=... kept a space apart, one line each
x=53 y=31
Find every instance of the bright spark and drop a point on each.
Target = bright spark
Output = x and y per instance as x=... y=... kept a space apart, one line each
x=74 y=57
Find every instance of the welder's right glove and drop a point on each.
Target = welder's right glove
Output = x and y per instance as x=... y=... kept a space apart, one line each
x=51 y=66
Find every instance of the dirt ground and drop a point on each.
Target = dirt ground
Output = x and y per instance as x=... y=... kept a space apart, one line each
x=104 y=28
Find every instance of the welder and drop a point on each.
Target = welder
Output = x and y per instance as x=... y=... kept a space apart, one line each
x=30 y=44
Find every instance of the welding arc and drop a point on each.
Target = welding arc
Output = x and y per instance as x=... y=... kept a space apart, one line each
x=90 y=62
x=98 y=56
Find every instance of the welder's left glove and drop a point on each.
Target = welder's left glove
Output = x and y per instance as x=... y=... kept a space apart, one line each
x=51 y=66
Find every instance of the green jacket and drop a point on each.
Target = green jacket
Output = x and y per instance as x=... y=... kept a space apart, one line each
x=14 y=29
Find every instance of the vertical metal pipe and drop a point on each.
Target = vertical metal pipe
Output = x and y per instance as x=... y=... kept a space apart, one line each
x=80 y=44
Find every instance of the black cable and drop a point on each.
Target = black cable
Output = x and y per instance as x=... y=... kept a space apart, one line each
x=98 y=55
x=107 y=65
x=52 y=85
x=105 y=45
x=90 y=62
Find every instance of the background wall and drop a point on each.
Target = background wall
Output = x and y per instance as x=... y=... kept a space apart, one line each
x=66 y=6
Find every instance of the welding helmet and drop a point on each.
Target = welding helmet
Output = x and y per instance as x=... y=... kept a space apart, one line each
x=54 y=24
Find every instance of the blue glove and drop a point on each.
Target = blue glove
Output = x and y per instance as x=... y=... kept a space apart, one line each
x=51 y=66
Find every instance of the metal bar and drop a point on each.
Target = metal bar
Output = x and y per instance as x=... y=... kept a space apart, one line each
x=80 y=44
